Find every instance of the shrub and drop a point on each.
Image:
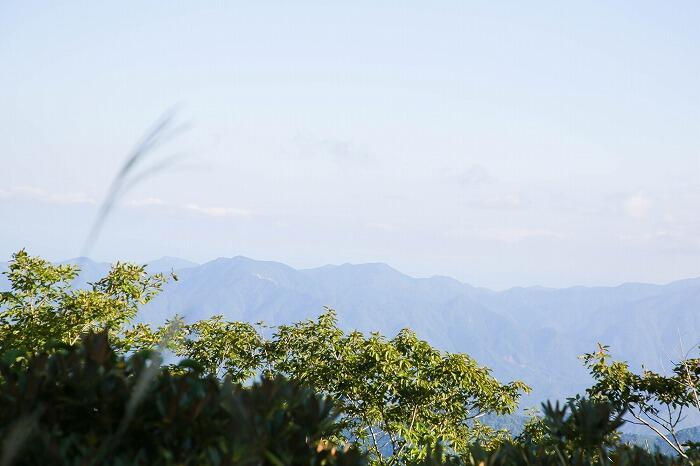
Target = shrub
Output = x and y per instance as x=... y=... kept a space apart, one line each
x=86 y=405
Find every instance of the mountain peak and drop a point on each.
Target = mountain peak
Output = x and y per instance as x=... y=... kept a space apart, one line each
x=372 y=266
x=168 y=263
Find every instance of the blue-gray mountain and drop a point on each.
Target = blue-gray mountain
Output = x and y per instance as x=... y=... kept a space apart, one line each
x=533 y=334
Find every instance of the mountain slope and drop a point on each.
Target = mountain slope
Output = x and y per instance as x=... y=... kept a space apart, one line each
x=534 y=334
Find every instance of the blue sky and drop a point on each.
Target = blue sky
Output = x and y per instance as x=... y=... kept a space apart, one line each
x=502 y=143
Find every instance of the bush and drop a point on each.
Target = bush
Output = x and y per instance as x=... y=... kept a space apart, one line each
x=86 y=405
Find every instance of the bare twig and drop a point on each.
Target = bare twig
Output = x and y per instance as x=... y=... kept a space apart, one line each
x=678 y=448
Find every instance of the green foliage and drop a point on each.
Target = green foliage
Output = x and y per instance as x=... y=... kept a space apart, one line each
x=580 y=425
x=42 y=309
x=399 y=396
x=87 y=405
x=234 y=349
x=650 y=399
x=581 y=433
x=399 y=400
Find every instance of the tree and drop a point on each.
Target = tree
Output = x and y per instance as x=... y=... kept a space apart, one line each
x=42 y=308
x=582 y=432
x=401 y=400
x=87 y=405
x=581 y=427
x=399 y=396
x=233 y=349
x=650 y=399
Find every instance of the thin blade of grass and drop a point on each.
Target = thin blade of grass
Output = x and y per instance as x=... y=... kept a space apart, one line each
x=163 y=131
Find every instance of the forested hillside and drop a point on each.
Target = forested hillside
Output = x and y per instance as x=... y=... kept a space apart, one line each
x=534 y=334
x=79 y=376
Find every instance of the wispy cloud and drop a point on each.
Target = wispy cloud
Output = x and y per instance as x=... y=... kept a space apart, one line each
x=147 y=202
x=337 y=150
x=648 y=236
x=637 y=205
x=506 y=235
x=34 y=193
x=515 y=235
x=381 y=226
x=471 y=176
x=211 y=211
x=215 y=211
x=499 y=202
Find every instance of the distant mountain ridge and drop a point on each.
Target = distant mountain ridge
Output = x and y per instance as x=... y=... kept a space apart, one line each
x=535 y=334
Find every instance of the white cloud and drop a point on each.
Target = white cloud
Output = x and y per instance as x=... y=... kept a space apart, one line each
x=338 y=150
x=515 y=235
x=147 y=202
x=499 y=202
x=648 y=236
x=637 y=205
x=473 y=175
x=40 y=195
x=211 y=211
x=217 y=211
x=507 y=235
x=381 y=226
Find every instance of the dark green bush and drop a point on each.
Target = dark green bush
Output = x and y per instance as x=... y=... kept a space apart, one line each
x=580 y=433
x=87 y=405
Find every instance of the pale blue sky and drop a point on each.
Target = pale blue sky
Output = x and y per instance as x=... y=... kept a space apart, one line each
x=502 y=143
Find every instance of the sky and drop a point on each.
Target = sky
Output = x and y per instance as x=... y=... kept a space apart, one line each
x=501 y=143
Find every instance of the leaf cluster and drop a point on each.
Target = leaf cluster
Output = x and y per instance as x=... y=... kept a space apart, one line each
x=87 y=405
x=43 y=309
x=400 y=395
x=651 y=399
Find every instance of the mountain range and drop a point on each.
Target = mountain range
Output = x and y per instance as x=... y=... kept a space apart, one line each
x=534 y=334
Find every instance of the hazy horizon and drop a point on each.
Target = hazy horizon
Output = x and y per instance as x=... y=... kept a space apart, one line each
x=500 y=144
x=77 y=259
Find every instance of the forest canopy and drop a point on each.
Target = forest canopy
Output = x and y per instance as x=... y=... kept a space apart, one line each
x=395 y=400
